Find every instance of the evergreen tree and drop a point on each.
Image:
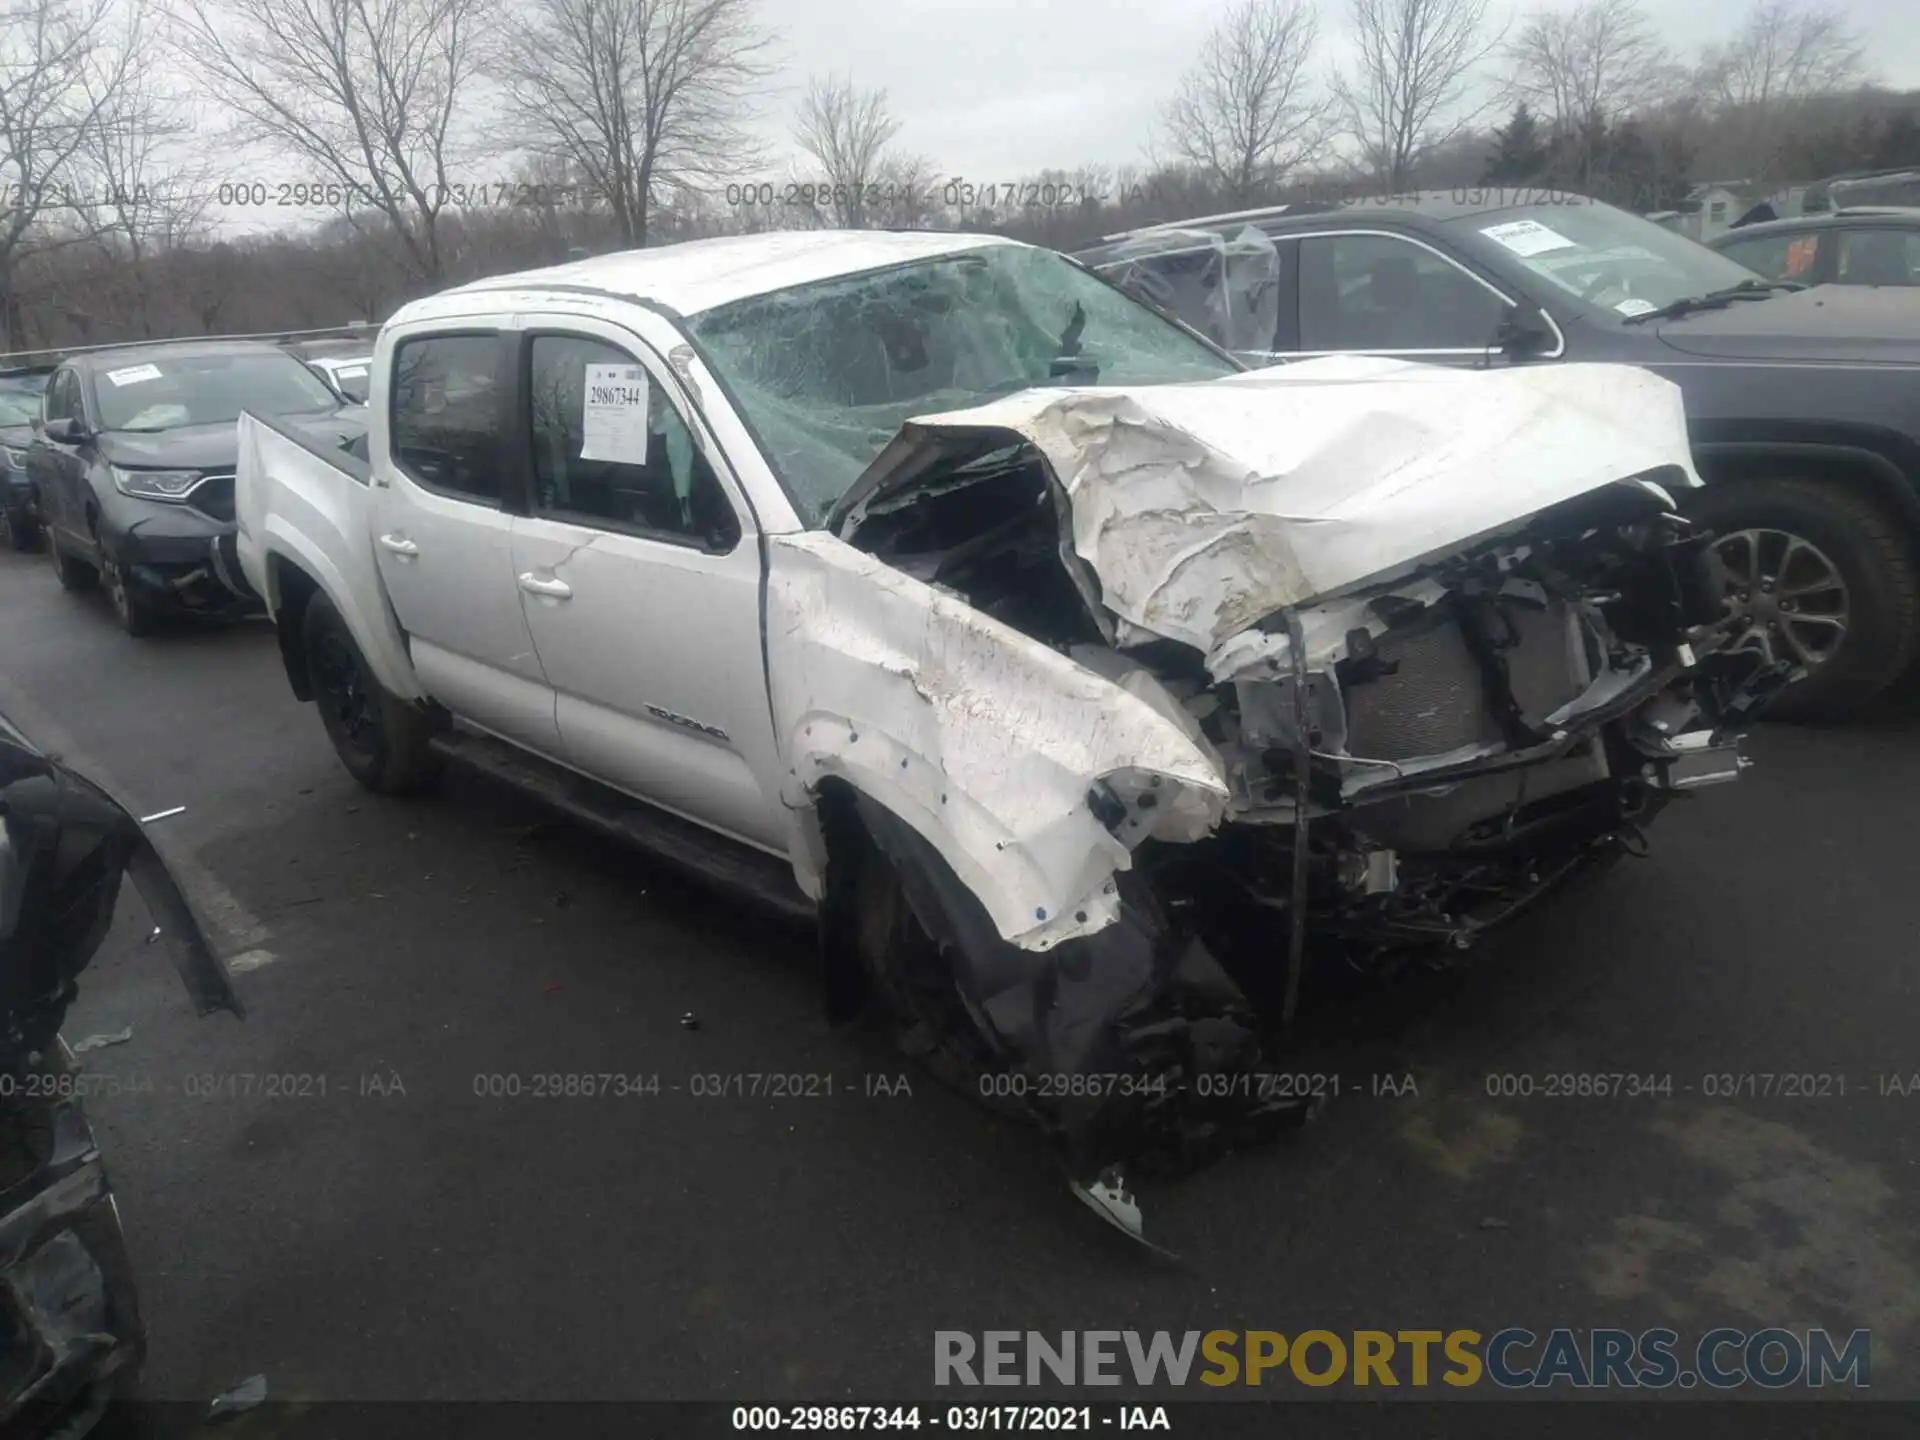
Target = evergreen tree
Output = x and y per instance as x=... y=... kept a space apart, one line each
x=1520 y=151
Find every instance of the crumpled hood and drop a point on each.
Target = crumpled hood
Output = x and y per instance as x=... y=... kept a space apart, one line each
x=1203 y=508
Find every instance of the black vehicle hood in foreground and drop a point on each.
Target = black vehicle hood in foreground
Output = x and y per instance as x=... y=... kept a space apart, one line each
x=1828 y=323
x=217 y=447
x=67 y=844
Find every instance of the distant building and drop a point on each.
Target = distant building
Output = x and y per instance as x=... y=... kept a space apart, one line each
x=1711 y=209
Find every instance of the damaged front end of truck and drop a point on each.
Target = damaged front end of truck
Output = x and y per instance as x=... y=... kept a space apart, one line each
x=1151 y=703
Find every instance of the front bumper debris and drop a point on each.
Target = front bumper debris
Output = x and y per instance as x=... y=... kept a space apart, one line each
x=196 y=576
x=1699 y=760
x=74 y=1341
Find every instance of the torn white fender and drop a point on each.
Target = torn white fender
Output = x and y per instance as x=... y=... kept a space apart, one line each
x=1203 y=508
x=983 y=740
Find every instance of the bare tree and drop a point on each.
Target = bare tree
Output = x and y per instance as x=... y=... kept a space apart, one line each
x=63 y=66
x=1786 y=52
x=147 y=189
x=1415 y=63
x=206 y=280
x=1588 y=65
x=1248 y=114
x=366 y=94
x=637 y=97
x=846 y=131
x=911 y=192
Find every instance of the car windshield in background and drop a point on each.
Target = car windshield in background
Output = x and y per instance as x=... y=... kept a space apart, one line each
x=826 y=374
x=1605 y=256
x=354 y=377
x=177 y=391
x=19 y=404
x=351 y=375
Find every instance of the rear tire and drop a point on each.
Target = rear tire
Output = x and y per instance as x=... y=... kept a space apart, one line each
x=73 y=574
x=382 y=740
x=1862 y=546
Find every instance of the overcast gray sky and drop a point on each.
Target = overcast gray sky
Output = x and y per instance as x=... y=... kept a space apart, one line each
x=996 y=89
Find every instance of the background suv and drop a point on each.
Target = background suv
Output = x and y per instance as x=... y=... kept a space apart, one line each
x=133 y=460
x=1871 y=246
x=1803 y=404
x=20 y=390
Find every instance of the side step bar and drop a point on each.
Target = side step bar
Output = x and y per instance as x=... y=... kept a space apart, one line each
x=692 y=849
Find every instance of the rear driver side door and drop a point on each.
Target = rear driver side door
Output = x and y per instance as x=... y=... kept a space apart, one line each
x=442 y=530
x=1378 y=293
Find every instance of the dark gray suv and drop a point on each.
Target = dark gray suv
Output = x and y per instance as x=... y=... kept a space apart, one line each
x=1804 y=404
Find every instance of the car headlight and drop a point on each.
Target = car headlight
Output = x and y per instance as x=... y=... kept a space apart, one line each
x=15 y=459
x=155 y=484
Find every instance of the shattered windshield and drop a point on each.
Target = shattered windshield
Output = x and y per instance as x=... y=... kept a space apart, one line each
x=1605 y=256
x=826 y=374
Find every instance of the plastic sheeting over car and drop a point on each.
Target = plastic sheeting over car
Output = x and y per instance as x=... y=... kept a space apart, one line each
x=1226 y=283
x=1202 y=508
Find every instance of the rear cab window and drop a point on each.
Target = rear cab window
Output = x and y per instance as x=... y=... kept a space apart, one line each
x=444 y=414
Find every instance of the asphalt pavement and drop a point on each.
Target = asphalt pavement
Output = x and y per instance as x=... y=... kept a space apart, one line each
x=341 y=1193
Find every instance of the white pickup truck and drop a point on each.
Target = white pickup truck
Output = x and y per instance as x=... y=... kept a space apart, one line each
x=1091 y=690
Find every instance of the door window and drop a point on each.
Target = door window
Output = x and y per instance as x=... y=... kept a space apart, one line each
x=445 y=417
x=1778 y=257
x=1378 y=292
x=60 y=394
x=611 y=449
x=1879 y=257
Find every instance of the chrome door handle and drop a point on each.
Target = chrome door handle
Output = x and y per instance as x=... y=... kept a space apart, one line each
x=552 y=589
x=399 y=545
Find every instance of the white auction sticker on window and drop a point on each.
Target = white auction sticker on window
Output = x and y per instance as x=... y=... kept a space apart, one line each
x=614 y=425
x=1527 y=237
x=1635 y=307
x=351 y=372
x=134 y=374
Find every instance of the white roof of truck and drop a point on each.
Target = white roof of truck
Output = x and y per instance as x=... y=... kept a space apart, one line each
x=697 y=275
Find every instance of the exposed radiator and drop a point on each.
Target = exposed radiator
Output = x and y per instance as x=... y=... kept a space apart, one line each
x=1435 y=701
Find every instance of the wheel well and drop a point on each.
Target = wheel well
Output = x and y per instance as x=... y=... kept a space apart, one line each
x=1866 y=473
x=295 y=589
x=848 y=846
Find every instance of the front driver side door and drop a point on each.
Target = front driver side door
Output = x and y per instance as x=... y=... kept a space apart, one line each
x=1375 y=293
x=442 y=532
x=641 y=583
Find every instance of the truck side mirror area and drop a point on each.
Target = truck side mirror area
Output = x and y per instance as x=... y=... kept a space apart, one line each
x=722 y=532
x=63 y=431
